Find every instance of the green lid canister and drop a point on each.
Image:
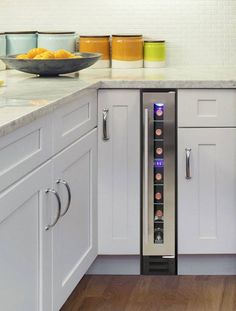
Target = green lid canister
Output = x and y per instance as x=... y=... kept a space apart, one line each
x=154 y=54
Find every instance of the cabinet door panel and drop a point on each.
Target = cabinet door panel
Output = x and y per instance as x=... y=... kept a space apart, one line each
x=75 y=235
x=207 y=201
x=74 y=119
x=25 y=245
x=24 y=149
x=204 y=107
x=119 y=172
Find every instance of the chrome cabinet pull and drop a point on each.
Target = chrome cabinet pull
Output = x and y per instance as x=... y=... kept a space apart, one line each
x=104 y=126
x=48 y=190
x=145 y=177
x=62 y=181
x=187 y=154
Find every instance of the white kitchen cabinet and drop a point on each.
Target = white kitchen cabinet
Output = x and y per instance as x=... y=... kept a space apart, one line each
x=39 y=268
x=119 y=171
x=207 y=201
x=25 y=277
x=75 y=235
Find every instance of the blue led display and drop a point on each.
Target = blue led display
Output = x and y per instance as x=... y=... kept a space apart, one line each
x=158 y=163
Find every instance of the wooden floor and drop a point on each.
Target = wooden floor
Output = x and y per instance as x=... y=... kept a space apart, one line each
x=154 y=293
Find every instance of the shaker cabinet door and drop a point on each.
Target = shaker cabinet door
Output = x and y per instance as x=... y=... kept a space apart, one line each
x=74 y=119
x=75 y=235
x=25 y=277
x=206 y=191
x=119 y=171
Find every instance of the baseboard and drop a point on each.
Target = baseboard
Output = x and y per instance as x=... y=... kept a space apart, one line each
x=207 y=264
x=129 y=265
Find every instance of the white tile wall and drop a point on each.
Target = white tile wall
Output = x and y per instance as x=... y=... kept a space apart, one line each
x=198 y=32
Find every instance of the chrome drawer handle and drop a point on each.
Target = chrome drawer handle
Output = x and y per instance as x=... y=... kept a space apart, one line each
x=48 y=190
x=104 y=126
x=62 y=181
x=187 y=155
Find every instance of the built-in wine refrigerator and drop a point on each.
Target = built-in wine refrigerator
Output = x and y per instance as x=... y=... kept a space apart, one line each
x=159 y=183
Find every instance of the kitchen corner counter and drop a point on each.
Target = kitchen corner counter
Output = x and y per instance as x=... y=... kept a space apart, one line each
x=174 y=77
x=24 y=97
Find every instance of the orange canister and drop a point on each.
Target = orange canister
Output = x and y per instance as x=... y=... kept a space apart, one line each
x=127 y=51
x=97 y=44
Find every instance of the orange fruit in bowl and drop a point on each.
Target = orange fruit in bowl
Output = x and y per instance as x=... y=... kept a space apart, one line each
x=45 y=55
x=63 y=54
x=76 y=56
x=36 y=51
x=22 y=56
x=42 y=53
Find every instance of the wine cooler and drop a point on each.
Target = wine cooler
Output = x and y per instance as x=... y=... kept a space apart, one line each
x=159 y=187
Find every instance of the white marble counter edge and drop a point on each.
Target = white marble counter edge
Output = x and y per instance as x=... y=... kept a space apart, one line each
x=171 y=84
x=42 y=111
x=107 y=83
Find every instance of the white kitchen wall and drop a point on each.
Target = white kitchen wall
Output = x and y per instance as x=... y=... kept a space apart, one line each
x=198 y=32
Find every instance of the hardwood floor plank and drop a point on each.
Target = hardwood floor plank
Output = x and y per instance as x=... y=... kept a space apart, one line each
x=138 y=298
x=153 y=293
x=228 y=302
x=119 y=291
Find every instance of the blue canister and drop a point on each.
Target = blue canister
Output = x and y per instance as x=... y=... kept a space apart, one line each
x=20 y=42
x=2 y=49
x=57 y=40
x=2 y=44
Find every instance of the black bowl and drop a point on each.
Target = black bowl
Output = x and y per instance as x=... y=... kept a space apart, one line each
x=51 y=67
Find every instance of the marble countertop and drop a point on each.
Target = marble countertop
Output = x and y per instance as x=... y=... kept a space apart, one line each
x=24 y=97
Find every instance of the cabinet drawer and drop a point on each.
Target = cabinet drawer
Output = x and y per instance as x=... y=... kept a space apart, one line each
x=207 y=108
x=74 y=119
x=24 y=149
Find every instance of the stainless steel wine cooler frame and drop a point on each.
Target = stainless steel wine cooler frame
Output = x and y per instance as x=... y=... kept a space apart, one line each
x=159 y=258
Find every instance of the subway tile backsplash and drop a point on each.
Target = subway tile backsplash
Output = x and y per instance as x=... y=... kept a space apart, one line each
x=198 y=32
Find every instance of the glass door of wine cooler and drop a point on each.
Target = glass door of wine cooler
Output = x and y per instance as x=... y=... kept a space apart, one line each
x=159 y=135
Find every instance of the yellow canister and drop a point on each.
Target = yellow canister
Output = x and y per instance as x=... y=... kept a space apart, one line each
x=154 y=54
x=97 y=44
x=127 y=51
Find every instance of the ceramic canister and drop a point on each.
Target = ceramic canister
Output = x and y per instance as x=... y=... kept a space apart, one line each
x=2 y=50
x=97 y=44
x=20 y=42
x=57 y=40
x=154 y=54
x=127 y=51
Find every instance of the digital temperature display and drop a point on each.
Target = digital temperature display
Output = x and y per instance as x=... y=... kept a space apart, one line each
x=158 y=163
